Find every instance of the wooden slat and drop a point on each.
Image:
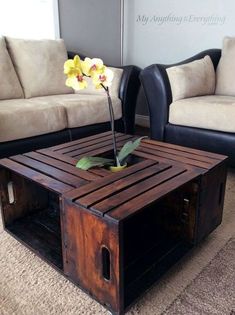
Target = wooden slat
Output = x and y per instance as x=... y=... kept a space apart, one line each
x=179 y=153
x=102 y=150
x=170 y=157
x=97 y=141
x=73 y=161
x=89 y=149
x=99 y=183
x=46 y=181
x=123 y=183
x=163 y=160
x=82 y=140
x=49 y=170
x=135 y=190
x=61 y=165
x=132 y=206
x=58 y=156
x=99 y=171
x=217 y=156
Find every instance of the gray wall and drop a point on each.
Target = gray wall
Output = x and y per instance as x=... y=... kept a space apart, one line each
x=160 y=31
x=92 y=27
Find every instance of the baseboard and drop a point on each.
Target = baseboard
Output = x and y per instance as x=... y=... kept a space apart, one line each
x=142 y=121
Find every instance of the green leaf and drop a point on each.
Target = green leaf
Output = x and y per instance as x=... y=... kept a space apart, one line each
x=128 y=148
x=88 y=162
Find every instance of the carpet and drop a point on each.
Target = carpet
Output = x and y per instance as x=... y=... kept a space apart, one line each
x=28 y=286
x=213 y=291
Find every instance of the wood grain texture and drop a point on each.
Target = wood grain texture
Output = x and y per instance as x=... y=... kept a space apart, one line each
x=85 y=236
x=113 y=234
x=44 y=180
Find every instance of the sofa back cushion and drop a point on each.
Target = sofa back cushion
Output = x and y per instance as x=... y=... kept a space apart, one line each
x=225 y=73
x=39 y=64
x=195 y=78
x=9 y=83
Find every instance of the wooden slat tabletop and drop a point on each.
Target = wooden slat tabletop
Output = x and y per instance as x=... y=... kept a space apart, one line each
x=121 y=196
x=27 y=172
x=100 y=190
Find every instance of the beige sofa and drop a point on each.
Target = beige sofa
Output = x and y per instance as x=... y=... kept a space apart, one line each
x=37 y=109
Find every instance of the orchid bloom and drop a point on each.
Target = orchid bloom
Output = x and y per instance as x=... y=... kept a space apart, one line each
x=72 y=67
x=92 y=66
x=73 y=70
x=103 y=79
x=77 y=83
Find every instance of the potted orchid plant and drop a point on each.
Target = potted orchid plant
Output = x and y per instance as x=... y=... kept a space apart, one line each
x=76 y=71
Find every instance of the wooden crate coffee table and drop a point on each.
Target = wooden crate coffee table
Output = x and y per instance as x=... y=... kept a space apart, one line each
x=113 y=234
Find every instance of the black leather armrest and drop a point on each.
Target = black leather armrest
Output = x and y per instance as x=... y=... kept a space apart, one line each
x=158 y=94
x=71 y=54
x=128 y=92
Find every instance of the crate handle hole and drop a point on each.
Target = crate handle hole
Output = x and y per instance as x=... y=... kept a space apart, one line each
x=221 y=193
x=106 y=263
x=11 y=195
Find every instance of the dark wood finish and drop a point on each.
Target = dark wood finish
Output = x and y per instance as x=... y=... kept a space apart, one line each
x=113 y=234
x=83 y=254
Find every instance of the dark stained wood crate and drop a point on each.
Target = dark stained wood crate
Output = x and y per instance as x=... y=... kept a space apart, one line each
x=113 y=234
x=119 y=230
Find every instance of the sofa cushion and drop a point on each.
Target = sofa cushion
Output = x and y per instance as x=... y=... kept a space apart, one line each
x=9 y=83
x=39 y=64
x=114 y=89
x=225 y=72
x=83 y=110
x=22 y=118
x=192 y=79
x=212 y=112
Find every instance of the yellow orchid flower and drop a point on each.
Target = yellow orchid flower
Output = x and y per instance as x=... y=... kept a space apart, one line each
x=104 y=78
x=91 y=66
x=76 y=82
x=72 y=67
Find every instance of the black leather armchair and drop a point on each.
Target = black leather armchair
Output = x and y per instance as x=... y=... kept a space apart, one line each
x=156 y=87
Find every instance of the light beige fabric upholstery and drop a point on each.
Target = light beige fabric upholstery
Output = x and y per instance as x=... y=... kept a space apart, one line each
x=192 y=79
x=9 y=83
x=225 y=72
x=27 y=118
x=114 y=89
x=83 y=110
x=39 y=64
x=208 y=112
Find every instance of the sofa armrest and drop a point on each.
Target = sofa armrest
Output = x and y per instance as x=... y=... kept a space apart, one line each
x=157 y=89
x=128 y=92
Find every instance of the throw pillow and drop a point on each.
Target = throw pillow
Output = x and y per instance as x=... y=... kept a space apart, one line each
x=195 y=78
x=225 y=73
x=9 y=84
x=39 y=64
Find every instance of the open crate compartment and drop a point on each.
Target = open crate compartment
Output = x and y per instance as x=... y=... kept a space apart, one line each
x=155 y=238
x=31 y=214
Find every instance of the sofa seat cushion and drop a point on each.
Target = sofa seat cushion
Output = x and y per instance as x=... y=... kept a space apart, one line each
x=22 y=118
x=207 y=112
x=39 y=65
x=83 y=110
x=9 y=83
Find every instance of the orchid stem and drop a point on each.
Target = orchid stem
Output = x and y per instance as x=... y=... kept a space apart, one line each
x=111 y=113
